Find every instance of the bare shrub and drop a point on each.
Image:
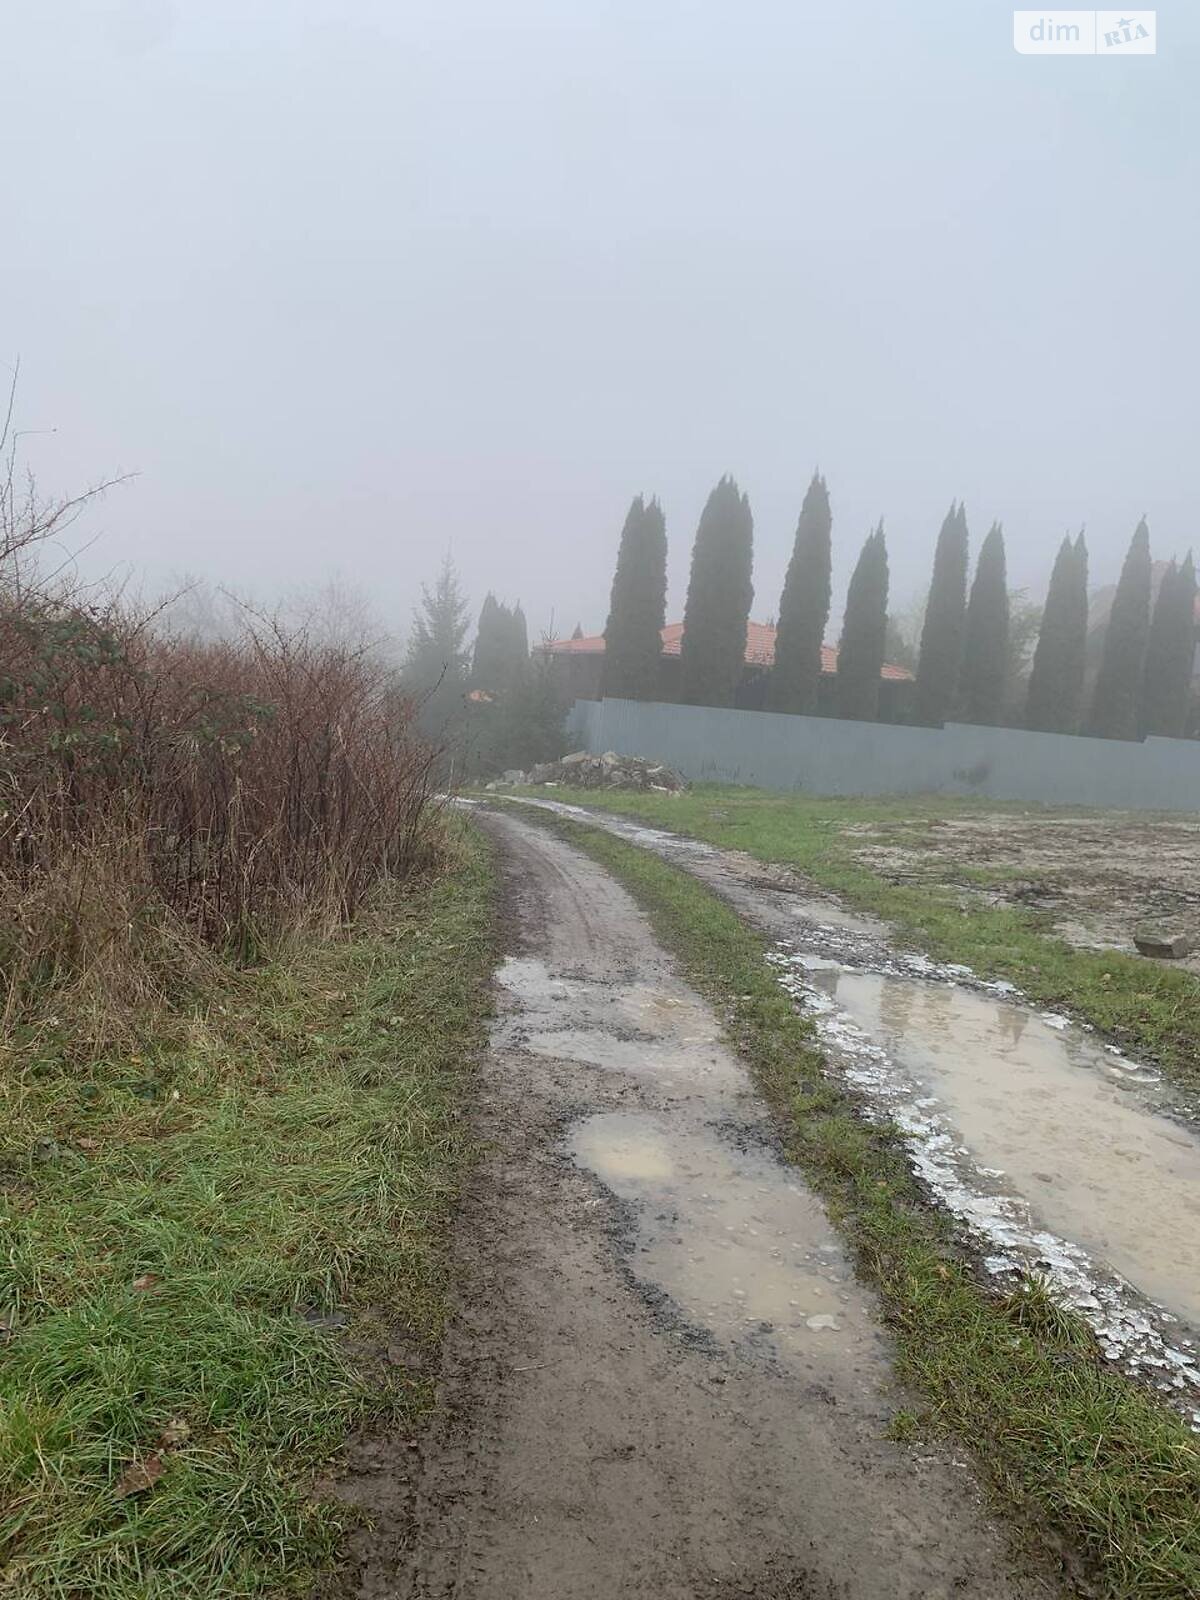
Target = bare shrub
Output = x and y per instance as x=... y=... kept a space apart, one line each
x=162 y=795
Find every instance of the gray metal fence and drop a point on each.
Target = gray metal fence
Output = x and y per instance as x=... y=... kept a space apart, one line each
x=821 y=755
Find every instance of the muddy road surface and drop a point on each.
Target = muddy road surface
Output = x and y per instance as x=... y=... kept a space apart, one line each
x=661 y=1378
x=1061 y=1157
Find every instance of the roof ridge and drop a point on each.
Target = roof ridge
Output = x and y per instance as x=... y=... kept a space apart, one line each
x=760 y=652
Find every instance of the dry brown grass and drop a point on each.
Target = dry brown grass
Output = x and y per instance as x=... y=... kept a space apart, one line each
x=218 y=1124
x=162 y=798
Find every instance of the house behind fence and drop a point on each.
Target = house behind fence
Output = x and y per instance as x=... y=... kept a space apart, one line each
x=579 y=664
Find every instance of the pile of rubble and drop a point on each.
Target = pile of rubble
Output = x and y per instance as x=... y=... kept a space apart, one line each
x=609 y=771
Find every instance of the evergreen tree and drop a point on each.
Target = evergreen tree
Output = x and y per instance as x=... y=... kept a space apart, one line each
x=1055 y=701
x=985 y=640
x=942 y=636
x=529 y=724
x=638 y=607
x=1171 y=654
x=488 y=655
x=434 y=672
x=517 y=655
x=521 y=717
x=864 y=631
x=501 y=646
x=578 y=634
x=720 y=590
x=1117 y=693
x=803 y=608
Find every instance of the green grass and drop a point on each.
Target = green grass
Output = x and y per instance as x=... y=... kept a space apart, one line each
x=1144 y=1007
x=1081 y=1454
x=176 y=1223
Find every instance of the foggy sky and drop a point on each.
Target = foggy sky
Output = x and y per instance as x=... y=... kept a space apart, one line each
x=349 y=282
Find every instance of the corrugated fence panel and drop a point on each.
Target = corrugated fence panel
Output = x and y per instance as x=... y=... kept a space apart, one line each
x=821 y=755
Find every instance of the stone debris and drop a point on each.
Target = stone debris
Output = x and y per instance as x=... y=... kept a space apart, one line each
x=580 y=770
x=1167 y=946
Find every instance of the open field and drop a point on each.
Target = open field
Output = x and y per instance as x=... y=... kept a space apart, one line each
x=951 y=877
x=225 y=1249
x=1091 y=877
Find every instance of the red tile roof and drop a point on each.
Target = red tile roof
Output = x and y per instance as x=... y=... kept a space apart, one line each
x=760 y=648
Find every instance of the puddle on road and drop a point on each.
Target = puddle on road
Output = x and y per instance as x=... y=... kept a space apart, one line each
x=727 y=1233
x=1056 y=1153
x=683 y=1063
x=826 y=915
x=624 y=1151
x=1047 y=1106
x=528 y=979
x=737 y=1245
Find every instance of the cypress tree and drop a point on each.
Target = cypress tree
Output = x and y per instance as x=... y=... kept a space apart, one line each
x=864 y=632
x=518 y=691
x=1190 y=583
x=1117 y=693
x=517 y=654
x=488 y=653
x=638 y=607
x=985 y=641
x=1077 y=664
x=803 y=608
x=720 y=589
x=1055 y=701
x=942 y=636
x=1171 y=654
x=501 y=646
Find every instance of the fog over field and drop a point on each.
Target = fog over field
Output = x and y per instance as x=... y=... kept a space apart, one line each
x=346 y=285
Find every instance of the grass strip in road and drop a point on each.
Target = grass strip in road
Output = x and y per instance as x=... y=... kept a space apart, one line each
x=1082 y=1454
x=1147 y=1008
x=187 y=1233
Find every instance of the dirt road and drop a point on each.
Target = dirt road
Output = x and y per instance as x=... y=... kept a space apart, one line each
x=662 y=1378
x=1059 y=1156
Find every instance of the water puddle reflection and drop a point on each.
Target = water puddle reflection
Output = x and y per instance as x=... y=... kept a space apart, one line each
x=826 y=915
x=740 y=1247
x=1057 y=1114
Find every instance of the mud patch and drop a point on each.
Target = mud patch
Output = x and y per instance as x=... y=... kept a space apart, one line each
x=1095 y=878
x=654 y=1030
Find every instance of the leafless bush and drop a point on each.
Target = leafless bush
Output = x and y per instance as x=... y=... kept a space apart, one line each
x=160 y=796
